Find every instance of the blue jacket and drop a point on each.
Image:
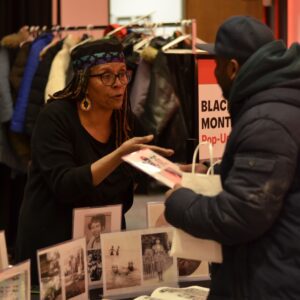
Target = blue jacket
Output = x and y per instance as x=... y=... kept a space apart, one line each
x=17 y=122
x=256 y=217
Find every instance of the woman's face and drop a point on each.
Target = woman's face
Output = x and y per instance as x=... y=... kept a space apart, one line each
x=96 y=229
x=103 y=96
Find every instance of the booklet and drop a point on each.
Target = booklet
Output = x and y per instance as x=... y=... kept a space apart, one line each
x=156 y=166
x=189 y=293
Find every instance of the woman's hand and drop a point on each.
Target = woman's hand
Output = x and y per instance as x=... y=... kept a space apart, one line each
x=199 y=168
x=104 y=166
x=138 y=143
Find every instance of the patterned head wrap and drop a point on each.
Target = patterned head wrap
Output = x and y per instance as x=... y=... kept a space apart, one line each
x=97 y=52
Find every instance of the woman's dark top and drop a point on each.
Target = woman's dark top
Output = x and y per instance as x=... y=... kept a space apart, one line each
x=60 y=180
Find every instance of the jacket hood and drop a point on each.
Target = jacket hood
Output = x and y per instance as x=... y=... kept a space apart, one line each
x=272 y=66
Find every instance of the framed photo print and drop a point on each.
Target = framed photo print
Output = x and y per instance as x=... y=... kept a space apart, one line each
x=3 y=251
x=137 y=261
x=15 y=282
x=63 y=271
x=91 y=223
x=188 y=269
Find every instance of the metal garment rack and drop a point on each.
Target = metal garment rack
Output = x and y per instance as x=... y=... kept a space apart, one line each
x=149 y=25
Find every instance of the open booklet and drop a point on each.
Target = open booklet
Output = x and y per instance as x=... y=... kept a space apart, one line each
x=156 y=166
x=191 y=293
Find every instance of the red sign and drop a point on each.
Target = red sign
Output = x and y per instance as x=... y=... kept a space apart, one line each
x=214 y=120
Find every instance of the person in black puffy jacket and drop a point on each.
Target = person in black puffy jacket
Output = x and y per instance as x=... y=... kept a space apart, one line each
x=256 y=216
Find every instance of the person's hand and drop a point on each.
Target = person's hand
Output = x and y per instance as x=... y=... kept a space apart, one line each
x=199 y=168
x=171 y=191
x=138 y=143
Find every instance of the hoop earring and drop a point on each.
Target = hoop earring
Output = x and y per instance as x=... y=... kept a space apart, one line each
x=86 y=104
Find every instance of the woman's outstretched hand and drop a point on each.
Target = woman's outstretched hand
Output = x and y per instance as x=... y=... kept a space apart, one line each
x=138 y=143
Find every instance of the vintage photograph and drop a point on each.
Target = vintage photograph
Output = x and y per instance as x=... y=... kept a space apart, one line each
x=15 y=282
x=3 y=251
x=121 y=257
x=74 y=272
x=50 y=273
x=95 y=225
x=91 y=223
x=188 y=269
x=63 y=271
x=157 y=264
x=51 y=287
x=137 y=260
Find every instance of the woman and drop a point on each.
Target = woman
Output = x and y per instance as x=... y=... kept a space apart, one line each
x=77 y=148
x=159 y=255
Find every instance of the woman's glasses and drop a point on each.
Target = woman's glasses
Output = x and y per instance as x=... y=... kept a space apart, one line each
x=109 y=79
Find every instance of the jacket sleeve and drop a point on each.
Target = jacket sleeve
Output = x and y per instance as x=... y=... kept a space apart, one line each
x=253 y=191
x=54 y=156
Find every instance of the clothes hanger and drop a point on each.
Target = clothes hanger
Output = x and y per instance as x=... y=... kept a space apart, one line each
x=129 y=24
x=176 y=41
x=138 y=47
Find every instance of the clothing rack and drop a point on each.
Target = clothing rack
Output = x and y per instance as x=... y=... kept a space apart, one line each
x=144 y=25
x=185 y=22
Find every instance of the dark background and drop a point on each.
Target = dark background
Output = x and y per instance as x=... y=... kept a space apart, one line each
x=16 y=13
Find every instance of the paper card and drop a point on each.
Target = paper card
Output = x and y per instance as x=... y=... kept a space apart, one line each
x=3 y=251
x=199 y=249
x=15 y=282
x=156 y=166
x=63 y=271
x=137 y=261
x=91 y=223
x=188 y=269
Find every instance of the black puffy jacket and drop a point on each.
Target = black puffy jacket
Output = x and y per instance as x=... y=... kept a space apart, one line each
x=257 y=216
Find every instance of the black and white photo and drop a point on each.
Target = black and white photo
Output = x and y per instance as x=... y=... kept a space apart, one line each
x=15 y=282
x=63 y=271
x=91 y=223
x=136 y=261
x=156 y=260
x=74 y=273
x=51 y=285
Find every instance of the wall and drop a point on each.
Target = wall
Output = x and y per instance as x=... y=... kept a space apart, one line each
x=293 y=21
x=210 y=14
x=160 y=10
x=82 y=12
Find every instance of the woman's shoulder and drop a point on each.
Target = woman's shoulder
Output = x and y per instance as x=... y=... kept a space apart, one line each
x=53 y=105
x=56 y=108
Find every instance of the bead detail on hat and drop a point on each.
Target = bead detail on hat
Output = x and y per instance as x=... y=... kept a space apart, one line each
x=89 y=61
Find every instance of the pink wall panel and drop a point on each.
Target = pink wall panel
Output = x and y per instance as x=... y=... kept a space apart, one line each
x=82 y=12
x=293 y=21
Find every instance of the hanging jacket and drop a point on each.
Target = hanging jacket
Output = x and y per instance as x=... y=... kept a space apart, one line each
x=60 y=68
x=36 y=96
x=6 y=105
x=17 y=122
x=17 y=69
x=162 y=114
x=7 y=156
x=256 y=217
x=140 y=88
